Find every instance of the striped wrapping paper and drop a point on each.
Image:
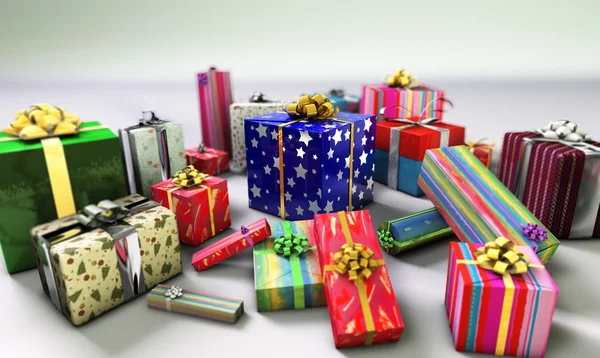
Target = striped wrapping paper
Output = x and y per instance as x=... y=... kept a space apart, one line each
x=474 y=202
x=215 y=95
x=375 y=97
x=198 y=304
x=507 y=315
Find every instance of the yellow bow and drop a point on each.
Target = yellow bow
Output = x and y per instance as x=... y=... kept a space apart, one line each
x=42 y=121
x=356 y=260
x=188 y=176
x=503 y=257
x=480 y=143
x=402 y=79
x=312 y=107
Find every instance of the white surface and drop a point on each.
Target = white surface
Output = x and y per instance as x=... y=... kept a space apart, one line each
x=31 y=326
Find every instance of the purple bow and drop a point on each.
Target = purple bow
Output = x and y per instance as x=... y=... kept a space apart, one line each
x=202 y=79
x=245 y=231
x=535 y=232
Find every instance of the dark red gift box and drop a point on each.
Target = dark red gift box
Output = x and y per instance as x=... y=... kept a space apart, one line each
x=211 y=161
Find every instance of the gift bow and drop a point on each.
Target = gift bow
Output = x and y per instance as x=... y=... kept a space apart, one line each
x=356 y=260
x=402 y=79
x=563 y=130
x=291 y=245
x=188 y=177
x=503 y=257
x=43 y=121
x=201 y=148
x=535 y=232
x=106 y=212
x=258 y=97
x=151 y=119
x=337 y=92
x=385 y=239
x=317 y=106
x=472 y=145
x=416 y=120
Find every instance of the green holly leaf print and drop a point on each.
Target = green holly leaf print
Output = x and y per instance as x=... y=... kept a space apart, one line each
x=141 y=217
x=77 y=239
x=160 y=224
x=148 y=269
x=105 y=270
x=117 y=293
x=56 y=258
x=166 y=269
x=109 y=245
x=69 y=251
x=176 y=249
x=74 y=297
x=95 y=295
x=156 y=249
x=138 y=226
x=81 y=269
x=169 y=241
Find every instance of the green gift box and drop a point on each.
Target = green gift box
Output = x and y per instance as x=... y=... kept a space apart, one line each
x=287 y=274
x=52 y=178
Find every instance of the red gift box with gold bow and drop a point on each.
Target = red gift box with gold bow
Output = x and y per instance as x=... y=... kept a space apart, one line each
x=360 y=298
x=208 y=160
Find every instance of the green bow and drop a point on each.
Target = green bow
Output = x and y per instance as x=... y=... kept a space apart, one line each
x=385 y=239
x=291 y=245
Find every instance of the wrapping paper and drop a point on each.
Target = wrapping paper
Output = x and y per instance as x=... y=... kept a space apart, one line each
x=211 y=161
x=202 y=211
x=214 y=93
x=558 y=182
x=489 y=313
x=152 y=154
x=413 y=230
x=231 y=245
x=474 y=202
x=239 y=112
x=320 y=172
x=375 y=97
x=197 y=304
x=92 y=170
x=87 y=272
x=365 y=311
x=484 y=154
x=277 y=279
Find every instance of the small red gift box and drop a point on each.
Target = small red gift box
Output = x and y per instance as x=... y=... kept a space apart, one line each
x=208 y=160
x=361 y=301
x=231 y=245
x=415 y=140
x=202 y=211
x=482 y=151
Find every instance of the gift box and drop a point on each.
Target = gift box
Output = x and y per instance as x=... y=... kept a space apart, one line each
x=50 y=178
x=286 y=268
x=482 y=151
x=557 y=179
x=347 y=102
x=401 y=145
x=153 y=151
x=214 y=92
x=503 y=314
x=92 y=262
x=414 y=230
x=362 y=306
x=238 y=112
x=476 y=205
x=202 y=209
x=208 y=160
x=231 y=245
x=298 y=168
x=194 y=303
x=404 y=102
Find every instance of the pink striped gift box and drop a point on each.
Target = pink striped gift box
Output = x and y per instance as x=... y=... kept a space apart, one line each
x=414 y=101
x=215 y=95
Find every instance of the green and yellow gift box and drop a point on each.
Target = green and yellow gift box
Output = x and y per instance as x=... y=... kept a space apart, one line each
x=54 y=164
x=286 y=269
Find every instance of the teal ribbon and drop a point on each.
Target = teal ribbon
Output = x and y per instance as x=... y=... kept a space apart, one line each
x=292 y=246
x=385 y=239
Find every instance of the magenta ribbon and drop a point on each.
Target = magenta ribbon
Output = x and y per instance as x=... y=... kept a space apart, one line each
x=245 y=231
x=202 y=79
x=534 y=232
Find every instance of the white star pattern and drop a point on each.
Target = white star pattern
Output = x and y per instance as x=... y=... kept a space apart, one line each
x=326 y=176
x=291 y=182
x=319 y=193
x=329 y=206
x=255 y=191
x=274 y=134
x=305 y=195
x=315 y=157
x=299 y=210
x=363 y=158
x=314 y=171
x=347 y=135
x=251 y=161
x=372 y=137
x=314 y=206
x=300 y=152
x=337 y=160
x=339 y=175
x=267 y=170
x=356 y=173
x=370 y=183
x=353 y=189
x=263 y=153
x=267 y=191
x=339 y=198
x=288 y=196
x=305 y=137
x=329 y=191
x=330 y=153
x=254 y=143
x=290 y=137
x=255 y=176
x=262 y=130
x=300 y=172
x=364 y=140
x=368 y=124
x=337 y=137
x=361 y=195
x=347 y=162
x=276 y=163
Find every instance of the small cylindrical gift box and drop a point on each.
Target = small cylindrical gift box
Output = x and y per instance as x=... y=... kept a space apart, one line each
x=231 y=245
x=215 y=97
x=153 y=151
x=476 y=205
x=501 y=314
x=202 y=210
x=112 y=252
x=194 y=303
x=362 y=306
x=289 y=279
x=208 y=160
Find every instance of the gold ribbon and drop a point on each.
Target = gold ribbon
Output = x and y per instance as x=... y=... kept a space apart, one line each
x=187 y=178
x=472 y=145
x=42 y=121
x=356 y=260
x=58 y=174
x=311 y=107
x=402 y=79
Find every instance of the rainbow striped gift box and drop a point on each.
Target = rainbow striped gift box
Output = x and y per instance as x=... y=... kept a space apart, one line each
x=198 y=304
x=505 y=315
x=215 y=96
x=476 y=205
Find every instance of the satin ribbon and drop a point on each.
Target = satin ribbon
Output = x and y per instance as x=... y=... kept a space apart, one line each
x=311 y=108
x=402 y=79
x=186 y=178
x=172 y=294
x=472 y=145
x=151 y=120
x=246 y=232
x=43 y=121
x=357 y=261
x=394 y=153
x=105 y=213
x=385 y=239
x=563 y=130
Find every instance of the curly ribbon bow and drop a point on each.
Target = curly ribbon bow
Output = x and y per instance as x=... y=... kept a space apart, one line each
x=258 y=97
x=149 y=118
x=42 y=121
x=503 y=257
x=402 y=79
x=385 y=239
x=106 y=212
x=472 y=145
x=173 y=293
x=563 y=130
x=535 y=232
x=292 y=245
x=312 y=107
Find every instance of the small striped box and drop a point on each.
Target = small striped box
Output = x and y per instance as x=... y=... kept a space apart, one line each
x=198 y=304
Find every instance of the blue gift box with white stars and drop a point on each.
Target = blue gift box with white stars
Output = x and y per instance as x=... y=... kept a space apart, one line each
x=309 y=166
